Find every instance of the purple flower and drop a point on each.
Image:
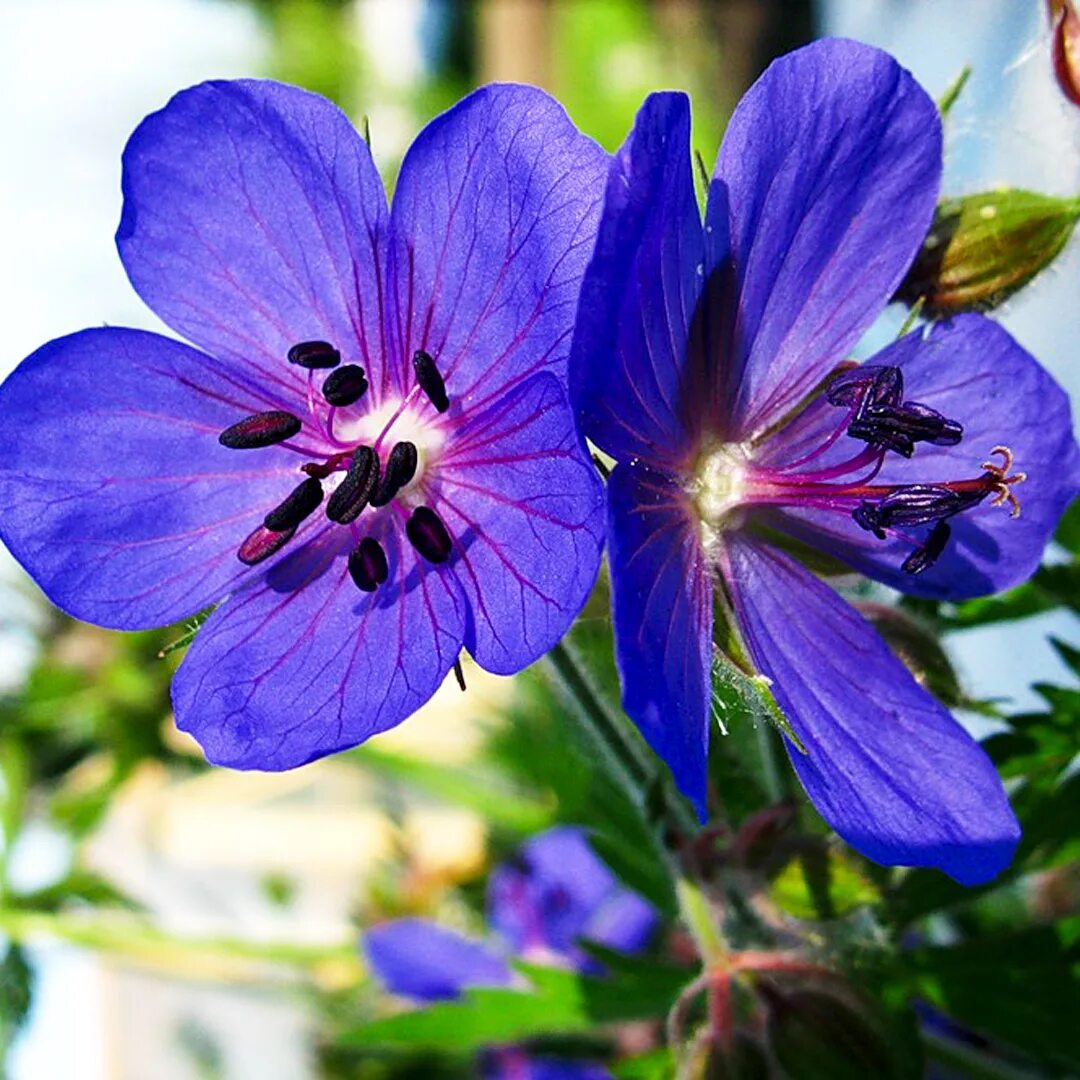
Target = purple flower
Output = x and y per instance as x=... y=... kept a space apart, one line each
x=368 y=454
x=553 y=894
x=712 y=363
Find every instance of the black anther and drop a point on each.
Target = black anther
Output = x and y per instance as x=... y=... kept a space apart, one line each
x=345 y=386
x=314 y=354
x=929 y=552
x=367 y=565
x=354 y=491
x=431 y=382
x=400 y=469
x=298 y=504
x=263 y=543
x=428 y=535
x=262 y=429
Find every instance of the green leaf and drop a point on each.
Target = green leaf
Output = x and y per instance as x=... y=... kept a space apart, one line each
x=841 y=889
x=16 y=990
x=476 y=789
x=556 y=1002
x=1068 y=530
x=655 y=1065
x=1017 y=989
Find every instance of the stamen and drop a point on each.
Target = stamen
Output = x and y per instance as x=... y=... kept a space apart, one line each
x=459 y=674
x=345 y=386
x=880 y=417
x=367 y=565
x=314 y=354
x=428 y=535
x=400 y=469
x=431 y=382
x=354 y=491
x=263 y=543
x=929 y=551
x=300 y=502
x=261 y=429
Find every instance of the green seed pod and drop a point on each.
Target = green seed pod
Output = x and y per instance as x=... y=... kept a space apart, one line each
x=983 y=248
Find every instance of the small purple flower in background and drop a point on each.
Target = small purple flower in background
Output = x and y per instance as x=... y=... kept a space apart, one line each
x=552 y=895
x=712 y=364
x=368 y=454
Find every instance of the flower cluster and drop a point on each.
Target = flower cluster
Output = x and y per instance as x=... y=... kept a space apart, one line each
x=371 y=454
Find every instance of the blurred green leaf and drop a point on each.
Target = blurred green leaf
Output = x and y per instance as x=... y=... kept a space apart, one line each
x=477 y=789
x=557 y=1001
x=839 y=882
x=16 y=990
x=1018 y=989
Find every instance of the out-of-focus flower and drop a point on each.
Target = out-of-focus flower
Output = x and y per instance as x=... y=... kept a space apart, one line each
x=712 y=364
x=1065 y=46
x=368 y=454
x=554 y=894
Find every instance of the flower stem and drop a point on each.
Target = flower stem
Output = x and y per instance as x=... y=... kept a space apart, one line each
x=626 y=757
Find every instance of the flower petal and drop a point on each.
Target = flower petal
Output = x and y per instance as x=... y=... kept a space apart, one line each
x=302 y=664
x=973 y=371
x=887 y=766
x=420 y=960
x=832 y=161
x=662 y=606
x=494 y=218
x=254 y=219
x=118 y=498
x=640 y=293
x=526 y=509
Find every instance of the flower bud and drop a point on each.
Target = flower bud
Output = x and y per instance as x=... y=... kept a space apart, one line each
x=1065 y=47
x=983 y=248
x=818 y=1035
x=744 y=1060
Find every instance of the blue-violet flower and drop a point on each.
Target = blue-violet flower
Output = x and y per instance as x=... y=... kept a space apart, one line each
x=367 y=451
x=713 y=363
x=541 y=904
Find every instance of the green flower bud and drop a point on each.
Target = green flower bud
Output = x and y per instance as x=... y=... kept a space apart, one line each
x=983 y=248
x=818 y=1035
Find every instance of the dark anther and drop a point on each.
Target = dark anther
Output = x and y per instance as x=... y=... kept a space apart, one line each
x=367 y=565
x=262 y=543
x=300 y=502
x=431 y=382
x=459 y=674
x=914 y=504
x=400 y=469
x=314 y=354
x=881 y=418
x=262 y=429
x=346 y=385
x=428 y=535
x=869 y=384
x=929 y=552
x=354 y=491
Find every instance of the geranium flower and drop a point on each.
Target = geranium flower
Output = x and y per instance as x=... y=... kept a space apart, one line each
x=552 y=895
x=366 y=452
x=712 y=363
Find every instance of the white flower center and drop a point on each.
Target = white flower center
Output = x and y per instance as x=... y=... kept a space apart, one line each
x=718 y=487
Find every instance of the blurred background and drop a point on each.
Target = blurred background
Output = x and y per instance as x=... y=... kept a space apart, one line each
x=165 y=920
